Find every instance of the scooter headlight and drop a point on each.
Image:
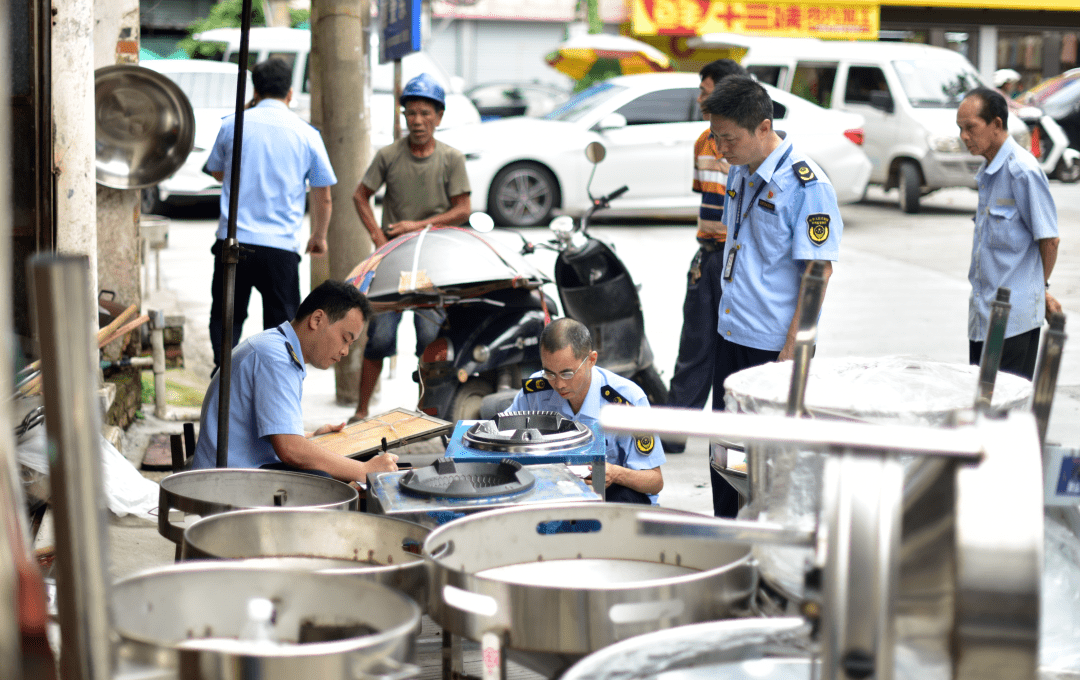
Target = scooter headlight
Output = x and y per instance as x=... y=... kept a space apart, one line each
x=481 y=354
x=563 y=224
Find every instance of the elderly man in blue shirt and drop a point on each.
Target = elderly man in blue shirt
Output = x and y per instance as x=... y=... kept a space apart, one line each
x=781 y=215
x=572 y=384
x=1016 y=234
x=281 y=156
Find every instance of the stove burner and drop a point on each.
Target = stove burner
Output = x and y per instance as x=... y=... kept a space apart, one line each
x=527 y=432
x=449 y=479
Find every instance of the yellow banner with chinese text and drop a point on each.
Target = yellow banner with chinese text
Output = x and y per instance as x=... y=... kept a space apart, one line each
x=841 y=20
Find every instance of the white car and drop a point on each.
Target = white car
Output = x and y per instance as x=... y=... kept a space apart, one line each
x=210 y=86
x=522 y=170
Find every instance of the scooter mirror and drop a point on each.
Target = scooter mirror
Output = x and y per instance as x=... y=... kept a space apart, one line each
x=595 y=152
x=481 y=222
x=563 y=224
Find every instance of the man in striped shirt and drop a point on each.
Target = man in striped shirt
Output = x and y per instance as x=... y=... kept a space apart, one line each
x=692 y=379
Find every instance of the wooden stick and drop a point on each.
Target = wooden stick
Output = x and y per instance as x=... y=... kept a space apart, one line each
x=101 y=334
x=125 y=329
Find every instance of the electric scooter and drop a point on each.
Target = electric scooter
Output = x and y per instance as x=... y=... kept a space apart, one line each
x=1050 y=145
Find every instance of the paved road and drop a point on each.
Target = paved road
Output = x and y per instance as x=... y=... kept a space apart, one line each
x=900 y=288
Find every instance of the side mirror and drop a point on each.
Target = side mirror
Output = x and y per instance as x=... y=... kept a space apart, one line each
x=595 y=152
x=481 y=222
x=882 y=100
x=612 y=121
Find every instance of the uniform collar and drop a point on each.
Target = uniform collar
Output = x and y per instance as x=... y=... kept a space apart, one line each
x=1007 y=149
x=273 y=102
x=768 y=166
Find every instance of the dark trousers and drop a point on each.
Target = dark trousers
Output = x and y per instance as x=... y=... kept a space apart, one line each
x=275 y=273
x=1017 y=355
x=693 y=376
x=730 y=358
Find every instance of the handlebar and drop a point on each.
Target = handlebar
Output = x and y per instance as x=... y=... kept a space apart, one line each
x=615 y=194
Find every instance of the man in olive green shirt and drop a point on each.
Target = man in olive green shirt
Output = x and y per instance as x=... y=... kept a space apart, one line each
x=426 y=185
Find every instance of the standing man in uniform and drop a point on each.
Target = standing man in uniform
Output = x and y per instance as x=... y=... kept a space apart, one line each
x=1016 y=234
x=281 y=155
x=572 y=384
x=266 y=427
x=426 y=186
x=782 y=215
x=692 y=379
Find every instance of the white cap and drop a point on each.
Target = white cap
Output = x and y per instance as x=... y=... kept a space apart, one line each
x=1005 y=75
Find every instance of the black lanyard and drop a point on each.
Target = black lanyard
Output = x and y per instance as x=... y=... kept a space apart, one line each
x=739 y=215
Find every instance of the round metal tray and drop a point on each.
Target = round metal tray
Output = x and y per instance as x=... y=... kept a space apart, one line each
x=527 y=432
x=184 y=621
x=210 y=492
x=449 y=479
x=557 y=596
x=382 y=549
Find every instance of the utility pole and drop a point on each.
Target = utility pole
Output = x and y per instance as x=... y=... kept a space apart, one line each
x=339 y=109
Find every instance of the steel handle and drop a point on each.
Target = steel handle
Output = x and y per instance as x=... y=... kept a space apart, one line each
x=1046 y=373
x=992 y=348
x=813 y=292
x=712 y=528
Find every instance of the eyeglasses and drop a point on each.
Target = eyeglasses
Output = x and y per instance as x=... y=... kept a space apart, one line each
x=565 y=375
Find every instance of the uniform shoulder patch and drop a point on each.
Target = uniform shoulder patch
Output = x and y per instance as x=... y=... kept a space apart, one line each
x=292 y=355
x=645 y=444
x=803 y=172
x=608 y=392
x=530 y=385
x=817 y=228
x=731 y=193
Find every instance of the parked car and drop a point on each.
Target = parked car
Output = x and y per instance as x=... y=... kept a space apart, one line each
x=908 y=94
x=294 y=45
x=210 y=86
x=503 y=100
x=524 y=169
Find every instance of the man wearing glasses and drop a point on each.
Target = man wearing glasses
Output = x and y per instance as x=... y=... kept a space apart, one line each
x=571 y=384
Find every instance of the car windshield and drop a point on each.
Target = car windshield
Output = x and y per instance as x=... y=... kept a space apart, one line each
x=583 y=102
x=934 y=84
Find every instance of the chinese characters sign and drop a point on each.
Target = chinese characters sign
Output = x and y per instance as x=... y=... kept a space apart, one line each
x=851 y=20
x=399 y=28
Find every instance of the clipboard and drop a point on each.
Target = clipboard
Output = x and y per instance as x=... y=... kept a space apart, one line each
x=385 y=431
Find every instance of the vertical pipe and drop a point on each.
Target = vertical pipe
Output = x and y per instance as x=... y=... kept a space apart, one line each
x=1046 y=373
x=992 y=348
x=811 y=294
x=230 y=252
x=157 y=345
x=72 y=413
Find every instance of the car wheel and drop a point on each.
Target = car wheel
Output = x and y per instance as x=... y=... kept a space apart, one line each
x=150 y=202
x=466 y=402
x=1067 y=172
x=910 y=186
x=523 y=195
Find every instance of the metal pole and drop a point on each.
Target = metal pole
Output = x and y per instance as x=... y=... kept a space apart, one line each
x=230 y=253
x=157 y=345
x=73 y=424
x=397 y=99
x=1046 y=373
x=812 y=293
x=992 y=348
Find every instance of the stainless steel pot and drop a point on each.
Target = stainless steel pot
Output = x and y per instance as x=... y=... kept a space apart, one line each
x=374 y=547
x=554 y=597
x=182 y=622
x=210 y=492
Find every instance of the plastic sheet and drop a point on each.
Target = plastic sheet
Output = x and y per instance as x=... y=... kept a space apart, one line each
x=126 y=491
x=1059 y=639
x=900 y=390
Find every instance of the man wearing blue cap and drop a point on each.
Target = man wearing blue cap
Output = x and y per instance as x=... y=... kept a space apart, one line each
x=426 y=186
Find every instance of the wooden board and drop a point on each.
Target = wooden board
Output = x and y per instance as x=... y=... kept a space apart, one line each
x=398 y=427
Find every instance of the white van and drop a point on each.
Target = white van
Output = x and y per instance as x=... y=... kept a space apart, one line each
x=294 y=44
x=908 y=93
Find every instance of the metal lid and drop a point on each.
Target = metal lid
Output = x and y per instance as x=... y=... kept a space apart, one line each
x=527 y=432
x=449 y=479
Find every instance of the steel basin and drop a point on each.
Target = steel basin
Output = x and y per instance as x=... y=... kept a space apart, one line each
x=374 y=547
x=211 y=492
x=557 y=597
x=182 y=622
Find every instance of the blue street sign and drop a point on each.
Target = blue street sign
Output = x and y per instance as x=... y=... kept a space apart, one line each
x=399 y=24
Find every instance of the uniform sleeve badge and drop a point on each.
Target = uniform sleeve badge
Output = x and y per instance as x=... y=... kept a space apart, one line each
x=803 y=172
x=530 y=385
x=645 y=444
x=817 y=228
x=609 y=393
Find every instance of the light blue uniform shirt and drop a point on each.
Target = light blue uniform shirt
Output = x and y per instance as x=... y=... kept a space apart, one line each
x=781 y=215
x=1015 y=212
x=281 y=154
x=264 y=398
x=625 y=450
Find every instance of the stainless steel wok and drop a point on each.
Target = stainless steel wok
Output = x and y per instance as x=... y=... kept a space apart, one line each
x=373 y=547
x=554 y=597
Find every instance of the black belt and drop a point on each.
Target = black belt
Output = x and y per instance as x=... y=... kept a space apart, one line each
x=710 y=245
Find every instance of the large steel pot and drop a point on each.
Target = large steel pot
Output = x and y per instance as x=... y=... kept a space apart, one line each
x=374 y=547
x=183 y=621
x=554 y=597
x=210 y=492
